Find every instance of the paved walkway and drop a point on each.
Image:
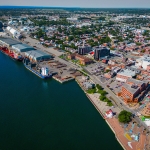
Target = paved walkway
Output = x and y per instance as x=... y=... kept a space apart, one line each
x=102 y=106
x=119 y=132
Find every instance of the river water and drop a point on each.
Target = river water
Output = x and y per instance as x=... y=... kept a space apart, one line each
x=46 y=115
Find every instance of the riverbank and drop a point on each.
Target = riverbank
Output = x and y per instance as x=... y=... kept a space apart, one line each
x=117 y=128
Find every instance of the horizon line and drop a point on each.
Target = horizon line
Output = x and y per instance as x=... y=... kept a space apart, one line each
x=72 y=7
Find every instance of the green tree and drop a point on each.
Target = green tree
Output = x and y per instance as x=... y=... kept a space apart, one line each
x=103 y=93
x=138 y=44
x=70 y=38
x=91 y=91
x=102 y=98
x=99 y=87
x=124 y=116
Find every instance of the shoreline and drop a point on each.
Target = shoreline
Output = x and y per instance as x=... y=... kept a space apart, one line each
x=115 y=134
x=102 y=115
x=90 y=100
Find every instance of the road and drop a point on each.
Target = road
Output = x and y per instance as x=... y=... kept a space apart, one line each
x=119 y=102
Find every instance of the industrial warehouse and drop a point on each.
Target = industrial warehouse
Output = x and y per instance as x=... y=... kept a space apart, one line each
x=8 y=42
x=37 y=61
x=23 y=52
x=24 y=49
x=37 y=55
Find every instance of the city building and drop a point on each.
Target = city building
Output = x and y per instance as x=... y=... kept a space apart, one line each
x=108 y=75
x=146 y=110
x=37 y=55
x=1 y=27
x=82 y=60
x=133 y=91
x=84 y=49
x=8 y=42
x=125 y=74
x=109 y=113
x=88 y=85
x=19 y=48
x=101 y=52
x=143 y=62
x=71 y=56
x=13 y=32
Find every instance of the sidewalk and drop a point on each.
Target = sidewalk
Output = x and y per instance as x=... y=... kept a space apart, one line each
x=119 y=132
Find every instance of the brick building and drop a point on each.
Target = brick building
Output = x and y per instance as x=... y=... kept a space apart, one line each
x=83 y=60
x=133 y=90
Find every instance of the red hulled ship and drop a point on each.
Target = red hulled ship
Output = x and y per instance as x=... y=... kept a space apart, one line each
x=11 y=54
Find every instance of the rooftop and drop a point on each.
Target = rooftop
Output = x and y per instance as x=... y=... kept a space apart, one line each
x=9 y=41
x=136 y=84
x=37 y=53
x=144 y=58
x=127 y=72
x=22 y=46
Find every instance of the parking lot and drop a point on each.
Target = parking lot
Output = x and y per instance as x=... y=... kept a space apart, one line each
x=97 y=69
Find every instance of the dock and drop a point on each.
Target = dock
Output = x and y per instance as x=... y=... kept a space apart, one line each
x=62 y=80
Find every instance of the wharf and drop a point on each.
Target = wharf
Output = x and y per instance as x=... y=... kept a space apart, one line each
x=60 y=71
x=57 y=78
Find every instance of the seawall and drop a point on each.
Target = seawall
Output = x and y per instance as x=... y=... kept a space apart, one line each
x=100 y=113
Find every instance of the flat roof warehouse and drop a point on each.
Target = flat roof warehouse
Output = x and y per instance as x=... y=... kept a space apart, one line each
x=29 y=51
x=37 y=55
x=8 y=41
x=22 y=47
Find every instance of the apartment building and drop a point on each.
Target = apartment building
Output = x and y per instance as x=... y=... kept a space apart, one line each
x=101 y=52
x=133 y=90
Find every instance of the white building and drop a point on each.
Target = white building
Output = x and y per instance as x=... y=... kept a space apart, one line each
x=143 y=62
x=8 y=28
x=83 y=24
x=13 y=32
x=72 y=19
x=125 y=74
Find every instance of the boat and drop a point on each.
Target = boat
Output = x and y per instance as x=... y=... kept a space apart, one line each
x=11 y=54
x=43 y=72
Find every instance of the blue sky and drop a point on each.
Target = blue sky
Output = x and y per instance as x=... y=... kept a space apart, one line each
x=80 y=3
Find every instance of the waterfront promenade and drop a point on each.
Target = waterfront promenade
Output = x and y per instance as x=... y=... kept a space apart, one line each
x=114 y=124
x=119 y=133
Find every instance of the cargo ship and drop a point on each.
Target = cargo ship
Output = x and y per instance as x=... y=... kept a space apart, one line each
x=11 y=54
x=43 y=72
